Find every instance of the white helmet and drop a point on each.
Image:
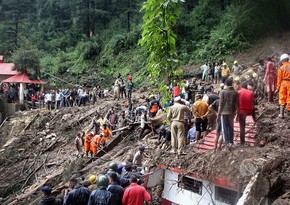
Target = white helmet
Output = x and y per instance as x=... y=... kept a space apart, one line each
x=284 y=57
x=255 y=75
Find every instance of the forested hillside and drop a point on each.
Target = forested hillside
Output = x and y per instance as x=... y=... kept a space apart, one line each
x=87 y=41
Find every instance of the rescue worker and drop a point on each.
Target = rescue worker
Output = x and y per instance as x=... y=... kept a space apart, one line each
x=176 y=116
x=154 y=106
x=270 y=79
x=138 y=157
x=225 y=72
x=116 y=190
x=88 y=139
x=93 y=186
x=47 y=198
x=283 y=84
x=199 y=109
x=79 y=143
x=106 y=134
x=164 y=137
x=101 y=196
x=95 y=143
x=144 y=124
x=135 y=194
x=79 y=195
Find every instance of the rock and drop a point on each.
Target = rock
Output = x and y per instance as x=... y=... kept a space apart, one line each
x=283 y=200
x=66 y=117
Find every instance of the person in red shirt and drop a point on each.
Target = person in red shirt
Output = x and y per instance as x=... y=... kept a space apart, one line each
x=135 y=194
x=246 y=107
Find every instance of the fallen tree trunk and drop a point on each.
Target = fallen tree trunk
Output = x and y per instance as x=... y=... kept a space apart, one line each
x=33 y=190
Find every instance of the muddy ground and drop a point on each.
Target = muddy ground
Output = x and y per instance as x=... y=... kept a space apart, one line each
x=38 y=145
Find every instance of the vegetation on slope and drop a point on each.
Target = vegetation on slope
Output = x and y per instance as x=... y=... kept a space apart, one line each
x=93 y=40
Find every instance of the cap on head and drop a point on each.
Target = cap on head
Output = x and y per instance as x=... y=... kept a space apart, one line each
x=73 y=179
x=93 y=179
x=46 y=189
x=151 y=96
x=141 y=148
x=224 y=64
x=284 y=57
x=222 y=84
x=237 y=78
x=235 y=62
x=255 y=75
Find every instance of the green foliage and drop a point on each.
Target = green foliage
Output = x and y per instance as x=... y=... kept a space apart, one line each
x=159 y=38
x=26 y=59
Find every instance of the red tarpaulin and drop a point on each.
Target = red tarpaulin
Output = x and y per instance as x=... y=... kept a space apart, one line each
x=22 y=78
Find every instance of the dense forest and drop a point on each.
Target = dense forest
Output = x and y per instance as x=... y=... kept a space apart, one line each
x=84 y=41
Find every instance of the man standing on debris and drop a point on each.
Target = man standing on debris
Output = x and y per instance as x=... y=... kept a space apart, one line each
x=88 y=139
x=47 y=198
x=135 y=194
x=79 y=195
x=270 y=79
x=229 y=102
x=225 y=72
x=117 y=87
x=283 y=84
x=79 y=142
x=106 y=133
x=154 y=106
x=236 y=69
x=199 y=109
x=144 y=124
x=205 y=69
x=138 y=157
x=116 y=190
x=101 y=196
x=176 y=116
x=246 y=107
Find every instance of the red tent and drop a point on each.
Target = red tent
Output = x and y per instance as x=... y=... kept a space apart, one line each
x=22 y=78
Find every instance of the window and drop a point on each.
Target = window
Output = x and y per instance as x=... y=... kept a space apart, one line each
x=190 y=184
x=225 y=195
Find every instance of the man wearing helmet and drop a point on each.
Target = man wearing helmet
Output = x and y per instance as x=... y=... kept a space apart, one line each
x=101 y=196
x=236 y=69
x=283 y=84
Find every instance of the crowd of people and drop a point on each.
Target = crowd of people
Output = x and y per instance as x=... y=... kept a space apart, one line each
x=222 y=96
x=120 y=185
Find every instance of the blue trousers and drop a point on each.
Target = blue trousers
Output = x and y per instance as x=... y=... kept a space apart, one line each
x=227 y=122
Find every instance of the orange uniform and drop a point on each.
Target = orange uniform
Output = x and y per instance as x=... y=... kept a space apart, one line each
x=95 y=144
x=87 y=143
x=283 y=84
x=106 y=134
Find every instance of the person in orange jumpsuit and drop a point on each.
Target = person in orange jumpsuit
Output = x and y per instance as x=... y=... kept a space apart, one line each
x=106 y=133
x=88 y=139
x=95 y=143
x=283 y=84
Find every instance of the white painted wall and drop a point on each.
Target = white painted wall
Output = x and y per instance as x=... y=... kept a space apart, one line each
x=156 y=178
x=180 y=196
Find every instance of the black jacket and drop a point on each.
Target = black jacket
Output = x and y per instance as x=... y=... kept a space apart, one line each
x=101 y=196
x=117 y=193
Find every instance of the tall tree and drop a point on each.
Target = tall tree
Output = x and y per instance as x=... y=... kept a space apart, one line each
x=159 y=38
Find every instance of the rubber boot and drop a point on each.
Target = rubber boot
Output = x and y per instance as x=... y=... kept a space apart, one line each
x=282 y=110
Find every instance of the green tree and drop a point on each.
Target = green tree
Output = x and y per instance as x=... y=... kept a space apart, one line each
x=26 y=59
x=159 y=38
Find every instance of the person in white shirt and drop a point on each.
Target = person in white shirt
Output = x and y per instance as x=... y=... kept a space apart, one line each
x=47 y=99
